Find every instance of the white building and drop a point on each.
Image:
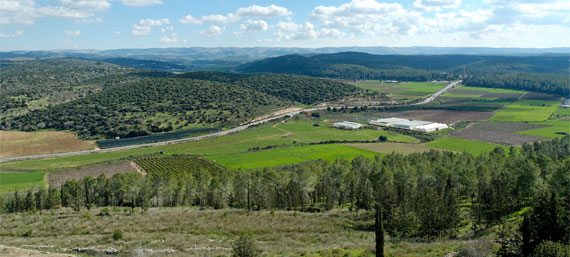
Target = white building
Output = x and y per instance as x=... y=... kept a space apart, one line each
x=386 y=122
x=430 y=127
x=409 y=124
x=347 y=125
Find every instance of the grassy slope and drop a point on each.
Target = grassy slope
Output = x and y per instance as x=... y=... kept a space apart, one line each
x=279 y=233
x=289 y=155
x=460 y=145
x=389 y=147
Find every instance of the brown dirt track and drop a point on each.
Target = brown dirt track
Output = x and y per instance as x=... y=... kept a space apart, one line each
x=56 y=179
x=503 y=133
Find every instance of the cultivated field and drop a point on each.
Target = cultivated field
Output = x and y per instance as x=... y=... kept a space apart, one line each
x=554 y=128
x=527 y=110
x=464 y=145
x=17 y=143
x=387 y=147
x=405 y=91
x=56 y=179
x=289 y=155
x=441 y=116
x=21 y=181
x=194 y=232
x=502 y=133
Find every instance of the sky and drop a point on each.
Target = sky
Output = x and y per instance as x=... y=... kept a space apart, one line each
x=115 y=24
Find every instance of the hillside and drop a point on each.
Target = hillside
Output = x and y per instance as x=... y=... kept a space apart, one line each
x=151 y=105
x=355 y=65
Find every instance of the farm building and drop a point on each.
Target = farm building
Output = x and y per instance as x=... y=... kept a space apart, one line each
x=566 y=103
x=386 y=122
x=417 y=125
x=347 y=125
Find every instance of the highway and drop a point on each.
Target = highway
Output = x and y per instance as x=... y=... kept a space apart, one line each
x=217 y=134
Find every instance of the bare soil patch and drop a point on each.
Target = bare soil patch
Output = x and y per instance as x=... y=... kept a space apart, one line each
x=56 y=179
x=18 y=143
x=467 y=92
x=540 y=96
x=503 y=133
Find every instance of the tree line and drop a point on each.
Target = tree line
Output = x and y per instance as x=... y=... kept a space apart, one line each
x=421 y=194
x=557 y=84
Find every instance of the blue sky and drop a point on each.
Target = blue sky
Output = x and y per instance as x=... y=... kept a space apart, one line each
x=112 y=24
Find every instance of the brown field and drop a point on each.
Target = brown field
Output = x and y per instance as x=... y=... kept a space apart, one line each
x=502 y=133
x=467 y=92
x=18 y=143
x=540 y=96
x=501 y=95
x=389 y=147
x=56 y=179
x=441 y=116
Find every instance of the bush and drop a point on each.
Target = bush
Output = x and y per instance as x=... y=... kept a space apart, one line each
x=117 y=235
x=104 y=212
x=551 y=249
x=244 y=246
x=382 y=139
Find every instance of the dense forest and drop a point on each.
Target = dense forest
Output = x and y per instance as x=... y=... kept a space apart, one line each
x=355 y=65
x=301 y=89
x=427 y=195
x=128 y=110
x=534 y=82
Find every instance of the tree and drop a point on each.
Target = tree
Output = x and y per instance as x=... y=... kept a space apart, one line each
x=244 y=246
x=382 y=138
x=379 y=231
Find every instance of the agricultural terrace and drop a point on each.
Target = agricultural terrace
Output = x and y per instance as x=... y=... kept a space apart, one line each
x=402 y=91
x=56 y=179
x=527 y=110
x=499 y=132
x=464 y=145
x=178 y=165
x=21 y=181
x=18 y=143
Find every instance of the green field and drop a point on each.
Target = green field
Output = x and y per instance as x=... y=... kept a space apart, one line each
x=402 y=91
x=491 y=90
x=289 y=155
x=21 y=181
x=526 y=110
x=556 y=126
x=280 y=134
x=465 y=145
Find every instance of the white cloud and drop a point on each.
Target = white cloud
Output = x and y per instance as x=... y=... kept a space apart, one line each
x=213 y=31
x=188 y=19
x=17 y=33
x=117 y=32
x=355 y=8
x=96 y=20
x=218 y=18
x=332 y=33
x=436 y=5
x=138 y=3
x=256 y=11
x=72 y=33
x=26 y=11
x=295 y=31
x=166 y=29
x=144 y=26
x=169 y=40
x=253 y=25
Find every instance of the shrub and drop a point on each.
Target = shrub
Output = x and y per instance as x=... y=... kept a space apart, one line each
x=476 y=248
x=551 y=249
x=244 y=246
x=104 y=212
x=117 y=235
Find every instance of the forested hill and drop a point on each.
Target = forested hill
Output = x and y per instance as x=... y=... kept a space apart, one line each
x=355 y=65
x=301 y=89
x=151 y=105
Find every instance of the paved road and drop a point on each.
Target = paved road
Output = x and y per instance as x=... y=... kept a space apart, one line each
x=217 y=134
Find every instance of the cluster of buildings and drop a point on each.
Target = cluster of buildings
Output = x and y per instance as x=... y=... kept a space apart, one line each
x=417 y=125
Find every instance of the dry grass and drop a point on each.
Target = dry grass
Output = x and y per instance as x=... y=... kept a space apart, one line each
x=56 y=179
x=194 y=232
x=17 y=143
x=19 y=252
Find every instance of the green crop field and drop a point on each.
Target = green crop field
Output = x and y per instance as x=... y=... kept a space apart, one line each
x=527 y=110
x=20 y=181
x=556 y=129
x=405 y=90
x=288 y=155
x=267 y=135
x=461 y=145
x=420 y=88
x=491 y=90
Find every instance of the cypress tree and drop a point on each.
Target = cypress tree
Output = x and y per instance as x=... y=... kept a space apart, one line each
x=379 y=229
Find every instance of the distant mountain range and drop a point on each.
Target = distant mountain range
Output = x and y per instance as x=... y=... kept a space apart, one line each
x=225 y=58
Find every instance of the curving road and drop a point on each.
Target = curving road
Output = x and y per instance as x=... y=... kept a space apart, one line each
x=217 y=134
